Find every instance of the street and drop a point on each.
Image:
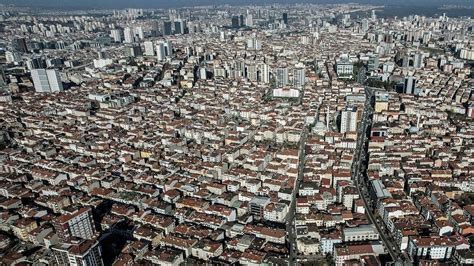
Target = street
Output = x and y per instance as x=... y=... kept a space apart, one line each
x=290 y=225
x=358 y=173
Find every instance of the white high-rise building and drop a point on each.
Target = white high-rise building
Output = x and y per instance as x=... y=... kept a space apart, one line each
x=344 y=67
x=149 y=48
x=12 y=57
x=252 y=73
x=254 y=44
x=164 y=49
x=138 y=31
x=418 y=60
x=264 y=73
x=116 y=35
x=46 y=80
x=168 y=48
x=249 y=20
x=349 y=119
x=365 y=25
x=78 y=223
x=410 y=84
x=222 y=36
x=160 y=51
x=281 y=77
x=374 y=16
x=203 y=73
x=55 y=83
x=299 y=77
x=128 y=34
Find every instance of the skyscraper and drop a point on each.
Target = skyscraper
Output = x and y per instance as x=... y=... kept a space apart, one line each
x=128 y=34
x=222 y=36
x=160 y=51
x=167 y=28
x=12 y=57
x=365 y=25
x=116 y=35
x=155 y=28
x=20 y=45
x=35 y=63
x=263 y=73
x=76 y=224
x=410 y=83
x=242 y=21
x=252 y=73
x=180 y=26
x=373 y=63
x=418 y=60
x=281 y=77
x=2 y=77
x=139 y=33
x=249 y=20
x=133 y=50
x=285 y=18
x=374 y=16
x=254 y=44
x=46 y=80
x=168 y=48
x=149 y=48
x=299 y=77
x=344 y=67
x=348 y=119
x=235 y=22
x=163 y=49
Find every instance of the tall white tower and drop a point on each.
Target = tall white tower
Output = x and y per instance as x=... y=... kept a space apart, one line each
x=128 y=34
x=46 y=80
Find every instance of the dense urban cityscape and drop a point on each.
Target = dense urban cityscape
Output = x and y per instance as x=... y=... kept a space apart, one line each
x=223 y=135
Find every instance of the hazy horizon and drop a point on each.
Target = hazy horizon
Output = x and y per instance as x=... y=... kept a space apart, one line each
x=116 y=4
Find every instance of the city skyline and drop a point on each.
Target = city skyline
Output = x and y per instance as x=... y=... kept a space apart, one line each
x=295 y=134
x=117 y=4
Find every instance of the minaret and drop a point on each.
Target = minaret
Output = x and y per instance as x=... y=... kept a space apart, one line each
x=327 y=117
x=418 y=121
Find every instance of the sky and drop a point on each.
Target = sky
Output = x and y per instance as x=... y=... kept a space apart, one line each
x=180 y=3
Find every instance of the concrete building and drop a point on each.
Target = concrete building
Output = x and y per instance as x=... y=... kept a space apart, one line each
x=360 y=233
x=344 y=67
x=308 y=246
x=352 y=252
x=76 y=224
x=433 y=248
x=373 y=63
x=299 y=78
x=328 y=241
x=410 y=83
x=263 y=73
x=348 y=119
x=257 y=206
x=180 y=26
x=78 y=253
x=128 y=35
x=46 y=80
x=164 y=49
x=149 y=48
x=167 y=29
x=116 y=34
x=281 y=77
